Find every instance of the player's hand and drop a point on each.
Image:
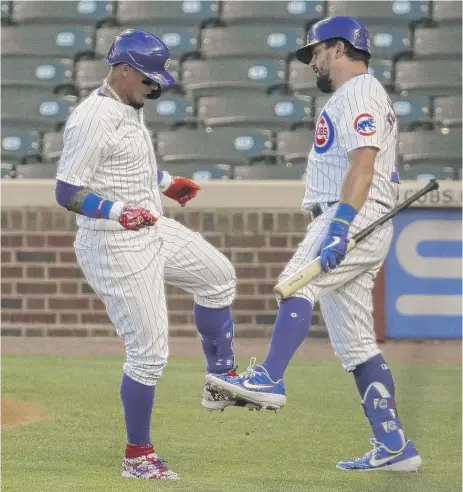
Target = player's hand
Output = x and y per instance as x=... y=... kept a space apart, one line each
x=182 y=190
x=135 y=218
x=334 y=247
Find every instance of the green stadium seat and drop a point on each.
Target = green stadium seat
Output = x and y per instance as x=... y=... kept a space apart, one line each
x=7 y=170
x=200 y=171
x=179 y=40
x=169 y=111
x=37 y=170
x=69 y=12
x=294 y=147
x=382 y=70
x=274 y=111
x=209 y=77
x=395 y=13
x=50 y=41
x=389 y=42
x=446 y=12
x=220 y=145
x=425 y=171
x=412 y=112
x=267 y=171
x=267 y=41
x=90 y=75
x=297 y=13
x=184 y=13
x=52 y=146
x=37 y=72
x=430 y=146
x=426 y=77
x=441 y=42
x=302 y=79
x=18 y=145
x=34 y=109
x=447 y=111
x=6 y=12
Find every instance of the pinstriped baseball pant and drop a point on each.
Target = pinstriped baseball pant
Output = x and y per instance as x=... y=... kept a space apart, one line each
x=128 y=269
x=345 y=294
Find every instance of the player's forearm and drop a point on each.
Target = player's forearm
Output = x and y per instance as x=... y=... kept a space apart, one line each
x=359 y=177
x=83 y=201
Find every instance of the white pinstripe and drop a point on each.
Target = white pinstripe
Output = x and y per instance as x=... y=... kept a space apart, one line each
x=345 y=294
x=107 y=148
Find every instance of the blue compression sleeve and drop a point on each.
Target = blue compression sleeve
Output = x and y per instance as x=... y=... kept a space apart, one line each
x=92 y=206
x=65 y=191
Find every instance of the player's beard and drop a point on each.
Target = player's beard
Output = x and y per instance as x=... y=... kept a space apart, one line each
x=325 y=84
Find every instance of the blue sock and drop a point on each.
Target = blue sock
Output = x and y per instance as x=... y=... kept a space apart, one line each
x=138 y=400
x=291 y=327
x=216 y=328
x=376 y=387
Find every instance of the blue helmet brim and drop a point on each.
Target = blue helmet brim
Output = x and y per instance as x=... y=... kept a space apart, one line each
x=162 y=77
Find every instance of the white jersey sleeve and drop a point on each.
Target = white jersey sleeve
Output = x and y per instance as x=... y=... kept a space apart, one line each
x=85 y=140
x=362 y=118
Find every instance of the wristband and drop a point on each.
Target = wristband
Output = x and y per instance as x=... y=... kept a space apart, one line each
x=116 y=210
x=95 y=207
x=345 y=214
x=164 y=180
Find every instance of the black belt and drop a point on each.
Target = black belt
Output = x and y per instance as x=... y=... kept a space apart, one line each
x=317 y=210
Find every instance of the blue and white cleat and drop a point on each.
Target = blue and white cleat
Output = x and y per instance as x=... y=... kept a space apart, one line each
x=216 y=400
x=380 y=459
x=254 y=386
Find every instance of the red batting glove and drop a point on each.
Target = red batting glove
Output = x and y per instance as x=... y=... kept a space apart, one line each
x=182 y=190
x=135 y=218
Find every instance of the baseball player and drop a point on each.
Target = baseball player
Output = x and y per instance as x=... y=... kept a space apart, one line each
x=126 y=247
x=351 y=180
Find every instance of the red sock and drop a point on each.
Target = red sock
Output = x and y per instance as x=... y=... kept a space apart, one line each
x=137 y=450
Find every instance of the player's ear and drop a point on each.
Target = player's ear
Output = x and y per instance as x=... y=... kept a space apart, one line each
x=340 y=49
x=125 y=70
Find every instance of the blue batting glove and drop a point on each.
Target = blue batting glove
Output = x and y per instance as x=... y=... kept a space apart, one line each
x=334 y=247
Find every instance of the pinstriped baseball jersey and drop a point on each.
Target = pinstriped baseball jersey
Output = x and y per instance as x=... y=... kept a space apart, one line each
x=358 y=114
x=108 y=149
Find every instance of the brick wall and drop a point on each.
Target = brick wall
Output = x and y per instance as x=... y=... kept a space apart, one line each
x=45 y=294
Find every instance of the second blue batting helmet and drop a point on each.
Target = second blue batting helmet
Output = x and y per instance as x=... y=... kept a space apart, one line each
x=143 y=51
x=335 y=27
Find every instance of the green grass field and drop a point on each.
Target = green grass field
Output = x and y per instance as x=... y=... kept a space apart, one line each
x=80 y=446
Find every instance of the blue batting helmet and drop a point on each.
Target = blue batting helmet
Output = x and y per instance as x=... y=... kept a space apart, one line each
x=335 y=27
x=143 y=51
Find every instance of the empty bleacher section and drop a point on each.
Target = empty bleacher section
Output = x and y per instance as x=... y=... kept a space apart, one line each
x=243 y=106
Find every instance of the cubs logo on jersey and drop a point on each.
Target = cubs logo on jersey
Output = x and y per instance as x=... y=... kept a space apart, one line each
x=324 y=134
x=365 y=124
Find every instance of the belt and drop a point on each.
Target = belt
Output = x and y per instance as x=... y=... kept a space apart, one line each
x=319 y=208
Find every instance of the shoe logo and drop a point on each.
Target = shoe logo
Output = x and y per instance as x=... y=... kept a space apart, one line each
x=382 y=461
x=249 y=385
